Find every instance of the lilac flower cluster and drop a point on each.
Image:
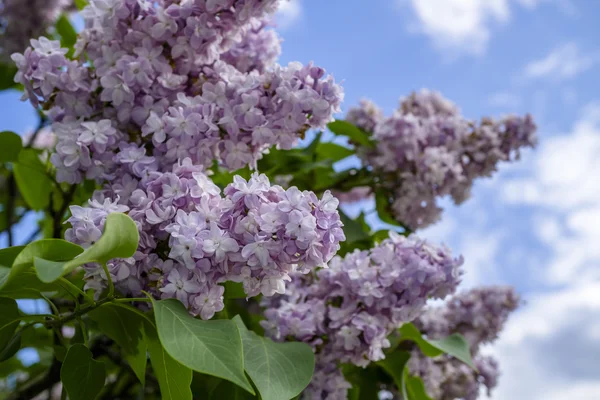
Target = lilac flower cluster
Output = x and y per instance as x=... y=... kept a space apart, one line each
x=427 y=150
x=257 y=50
x=192 y=239
x=347 y=312
x=150 y=74
x=21 y=20
x=479 y=315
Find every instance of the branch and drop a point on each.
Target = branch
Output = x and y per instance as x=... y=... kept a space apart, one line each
x=10 y=205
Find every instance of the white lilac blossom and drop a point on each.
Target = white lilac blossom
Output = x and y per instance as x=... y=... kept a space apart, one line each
x=347 y=311
x=479 y=315
x=193 y=239
x=426 y=150
x=149 y=74
x=21 y=20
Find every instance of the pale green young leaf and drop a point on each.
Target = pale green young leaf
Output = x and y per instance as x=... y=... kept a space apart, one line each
x=119 y=240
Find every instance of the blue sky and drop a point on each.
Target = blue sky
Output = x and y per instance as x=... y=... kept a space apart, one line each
x=536 y=224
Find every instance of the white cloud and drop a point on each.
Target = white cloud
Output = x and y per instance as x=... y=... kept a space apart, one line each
x=548 y=349
x=565 y=188
x=464 y=26
x=459 y=25
x=563 y=62
x=289 y=12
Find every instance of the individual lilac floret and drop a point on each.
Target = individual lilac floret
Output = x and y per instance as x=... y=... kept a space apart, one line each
x=21 y=20
x=176 y=80
x=426 y=150
x=479 y=315
x=347 y=311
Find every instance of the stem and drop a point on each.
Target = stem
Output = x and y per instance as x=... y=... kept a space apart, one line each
x=111 y=285
x=10 y=205
x=78 y=313
x=71 y=286
x=51 y=304
x=132 y=299
x=58 y=216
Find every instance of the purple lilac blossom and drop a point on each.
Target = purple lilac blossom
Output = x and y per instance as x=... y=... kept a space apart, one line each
x=347 y=311
x=479 y=315
x=149 y=74
x=21 y=20
x=192 y=238
x=147 y=105
x=426 y=149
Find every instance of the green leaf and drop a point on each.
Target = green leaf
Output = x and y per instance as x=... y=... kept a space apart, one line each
x=173 y=378
x=353 y=229
x=82 y=376
x=394 y=364
x=455 y=345
x=10 y=317
x=21 y=281
x=68 y=35
x=333 y=151
x=415 y=388
x=356 y=135
x=382 y=205
x=30 y=175
x=7 y=76
x=126 y=328
x=234 y=290
x=80 y=4
x=280 y=371
x=10 y=146
x=226 y=390
x=119 y=240
x=211 y=347
x=8 y=255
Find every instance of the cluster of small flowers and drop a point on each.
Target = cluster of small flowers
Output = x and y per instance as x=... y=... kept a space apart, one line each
x=257 y=50
x=150 y=73
x=192 y=239
x=347 y=312
x=427 y=150
x=479 y=315
x=21 y=20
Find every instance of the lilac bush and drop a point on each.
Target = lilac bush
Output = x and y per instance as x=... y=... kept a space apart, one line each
x=167 y=157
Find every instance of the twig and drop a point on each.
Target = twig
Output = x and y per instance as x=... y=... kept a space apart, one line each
x=10 y=205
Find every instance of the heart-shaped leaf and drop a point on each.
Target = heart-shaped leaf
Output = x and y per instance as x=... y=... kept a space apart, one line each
x=82 y=376
x=211 y=347
x=126 y=328
x=280 y=371
x=173 y=378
